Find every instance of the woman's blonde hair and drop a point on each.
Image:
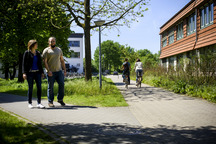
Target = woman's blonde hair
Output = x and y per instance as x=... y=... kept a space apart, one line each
x=31 y=44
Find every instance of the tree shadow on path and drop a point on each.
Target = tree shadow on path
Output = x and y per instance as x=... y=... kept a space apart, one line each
x=147 y=93
x=114 y=133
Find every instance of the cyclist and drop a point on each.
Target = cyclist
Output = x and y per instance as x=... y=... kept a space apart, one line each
x=126 y=70
x=138 y=69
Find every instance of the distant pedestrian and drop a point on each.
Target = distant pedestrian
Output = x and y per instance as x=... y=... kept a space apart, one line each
x=138 y=69
x=32 y=70
x=54 y=62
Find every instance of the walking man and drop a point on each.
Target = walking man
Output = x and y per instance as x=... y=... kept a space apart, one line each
x=54 y=62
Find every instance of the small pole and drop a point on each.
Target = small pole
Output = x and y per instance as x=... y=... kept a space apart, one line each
x=100 y=72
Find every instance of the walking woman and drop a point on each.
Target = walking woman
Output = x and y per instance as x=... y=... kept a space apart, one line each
x=32 y=70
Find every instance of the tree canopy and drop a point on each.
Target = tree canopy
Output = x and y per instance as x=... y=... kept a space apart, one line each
x=22 y=20
x=113 y=54
x=116 y=13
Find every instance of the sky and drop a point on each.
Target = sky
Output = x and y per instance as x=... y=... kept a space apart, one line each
x=143 y=34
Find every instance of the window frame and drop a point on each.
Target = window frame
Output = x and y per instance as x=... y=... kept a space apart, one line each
x=164 y=62
x=164 y=39
x=171 y=36
x=74 y=54
x=180 y=31
x=191 y=24
x=212 y=13
x=74 y=45
x=207 y=15
x=171 y=61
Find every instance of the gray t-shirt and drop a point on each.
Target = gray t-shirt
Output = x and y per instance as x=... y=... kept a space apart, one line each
x=53 y=58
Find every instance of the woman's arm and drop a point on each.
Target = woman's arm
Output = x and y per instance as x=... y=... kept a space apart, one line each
x=24 y=65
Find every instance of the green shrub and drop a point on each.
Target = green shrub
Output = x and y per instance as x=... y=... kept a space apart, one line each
x=179 y=87
x=157 y=81
x=189 y=89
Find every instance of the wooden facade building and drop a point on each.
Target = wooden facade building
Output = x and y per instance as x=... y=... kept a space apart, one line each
x=191 y=30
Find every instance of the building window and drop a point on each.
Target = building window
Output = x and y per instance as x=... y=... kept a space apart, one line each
x=78 y=65
x=74 y=43
x=207 y=15
x=212 y=13
x=164 y=40
x=191 y=54
x=75 y=55
x=171 y=61
x=171 y=36
x=164 y=62
x=191 y=26
x=180 y=33
x=179 y=60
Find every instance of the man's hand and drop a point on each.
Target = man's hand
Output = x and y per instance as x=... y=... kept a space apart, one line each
x=65 y=73
x=50 y=73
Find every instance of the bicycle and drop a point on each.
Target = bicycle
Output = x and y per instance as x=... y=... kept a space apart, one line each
x=139 y=82
x=126 y=81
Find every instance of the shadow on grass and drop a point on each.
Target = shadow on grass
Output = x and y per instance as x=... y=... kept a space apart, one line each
x=114 y=133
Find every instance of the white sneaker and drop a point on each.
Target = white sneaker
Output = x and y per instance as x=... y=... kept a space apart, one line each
x=30 y=106
x=40 y=106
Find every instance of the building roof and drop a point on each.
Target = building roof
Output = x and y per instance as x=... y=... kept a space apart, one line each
x=76 y=35
x=177 y=13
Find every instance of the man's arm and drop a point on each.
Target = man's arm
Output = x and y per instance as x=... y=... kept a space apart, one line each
x=122 y=67
x=63 y=64
x=47 y=67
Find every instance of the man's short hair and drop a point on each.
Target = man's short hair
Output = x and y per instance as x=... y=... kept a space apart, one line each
x=51 y=38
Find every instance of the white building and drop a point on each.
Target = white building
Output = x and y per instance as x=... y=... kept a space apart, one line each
x=76 y=44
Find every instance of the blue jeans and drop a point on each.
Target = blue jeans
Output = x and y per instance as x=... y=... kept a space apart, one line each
x=59 y=77
x=137 y=72
x=30 y=78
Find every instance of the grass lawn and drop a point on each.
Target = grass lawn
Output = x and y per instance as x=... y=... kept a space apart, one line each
x=14 y=130
x=77 y=92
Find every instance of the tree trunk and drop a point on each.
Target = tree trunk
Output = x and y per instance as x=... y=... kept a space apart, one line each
x=14 y=72
x=21 y=44
x=6 y=71
x=20 y=78
x=87 y=29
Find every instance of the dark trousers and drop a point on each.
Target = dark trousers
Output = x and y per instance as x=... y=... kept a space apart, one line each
x=129 y=78
x=30 y=78
x=59 y=77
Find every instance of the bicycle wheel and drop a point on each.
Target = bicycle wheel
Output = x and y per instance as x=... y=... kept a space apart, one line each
x=139 y=82
x=126 y=82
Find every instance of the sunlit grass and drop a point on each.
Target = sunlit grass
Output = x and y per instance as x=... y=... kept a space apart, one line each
x=77 y=92
x=14 y=130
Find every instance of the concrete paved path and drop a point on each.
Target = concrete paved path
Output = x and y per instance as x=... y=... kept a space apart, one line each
x=158 y=108
x=78 y=124
x=154 y=116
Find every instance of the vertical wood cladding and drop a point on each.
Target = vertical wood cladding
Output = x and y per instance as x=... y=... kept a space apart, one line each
x=205 y=36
